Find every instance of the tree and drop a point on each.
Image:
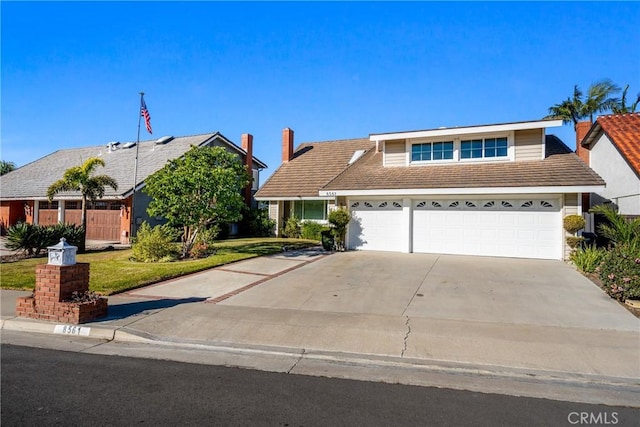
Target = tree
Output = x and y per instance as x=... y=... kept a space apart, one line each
x=81 y=178
x=6 y=167
x=574 y=109
x=621 y=107
x=202 y=188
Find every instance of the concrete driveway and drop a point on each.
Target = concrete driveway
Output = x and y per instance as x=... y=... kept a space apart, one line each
x=449 y=287
x=486 y=312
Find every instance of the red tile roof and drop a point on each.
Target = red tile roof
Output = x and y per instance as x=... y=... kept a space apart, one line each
x=623 y=130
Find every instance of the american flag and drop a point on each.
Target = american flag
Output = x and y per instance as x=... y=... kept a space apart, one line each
x=145 y=113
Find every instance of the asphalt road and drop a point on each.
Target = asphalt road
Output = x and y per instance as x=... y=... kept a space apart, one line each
x=50 y=387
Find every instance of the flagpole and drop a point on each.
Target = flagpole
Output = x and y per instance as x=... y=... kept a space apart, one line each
x=135 y=172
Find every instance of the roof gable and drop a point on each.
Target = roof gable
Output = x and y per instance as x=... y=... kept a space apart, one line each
x=311 y=167
x=623 y=130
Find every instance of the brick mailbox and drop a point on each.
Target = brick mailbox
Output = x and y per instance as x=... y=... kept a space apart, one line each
x=61 y=292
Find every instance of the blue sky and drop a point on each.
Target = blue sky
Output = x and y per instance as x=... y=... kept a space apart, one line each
x=71 y=72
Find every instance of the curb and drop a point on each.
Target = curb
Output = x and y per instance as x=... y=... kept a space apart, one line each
x=20 y=325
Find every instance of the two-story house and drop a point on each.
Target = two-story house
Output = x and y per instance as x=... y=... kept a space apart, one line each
x=24 y=190
x=489 y=190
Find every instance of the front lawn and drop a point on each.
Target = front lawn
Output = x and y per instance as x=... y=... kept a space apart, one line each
x=112 y=271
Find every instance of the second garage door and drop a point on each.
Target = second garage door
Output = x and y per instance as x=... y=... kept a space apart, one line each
x=529 y=228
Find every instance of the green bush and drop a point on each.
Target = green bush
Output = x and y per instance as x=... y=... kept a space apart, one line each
x=616 y=228
x=339 y=219
x=155 y=244
x=573 y=223
x=203 y=246
x=73 y=234
x=620 y=271
x=256 y=223
x=588 y=258
x=313 y=230
x=34 y=239
x=292 y=228
x=574 y=241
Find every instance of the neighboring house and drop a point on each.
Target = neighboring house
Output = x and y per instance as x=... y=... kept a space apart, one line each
x=24 y=190
x=491 y=190
x=611 y=147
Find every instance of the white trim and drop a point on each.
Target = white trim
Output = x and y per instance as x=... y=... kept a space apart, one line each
x=35 y=217
x=270 y=199
x=467 y=130
x=480 y=190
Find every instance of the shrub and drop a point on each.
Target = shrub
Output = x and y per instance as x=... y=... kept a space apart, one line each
x=339 y=219
x=618 y=229
x=155 y=244
x=256 y=222
x=620 y=271
x=34 y=239
x=203 y=246
x=292 y=228
x=312 y=230
x=573 y=223
x=574 y=241
x=72 y=233
x=587 y=259
x=23 y=237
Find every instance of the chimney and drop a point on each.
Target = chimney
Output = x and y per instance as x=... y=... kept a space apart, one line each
x=582 y=128
x=287 y=144
x=247 y=145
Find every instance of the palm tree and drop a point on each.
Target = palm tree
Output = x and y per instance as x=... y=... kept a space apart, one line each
x=79 y=178
x=599 y=99
x=621 y=107
x=6 y=167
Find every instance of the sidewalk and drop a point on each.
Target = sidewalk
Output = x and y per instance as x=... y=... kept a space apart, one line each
x=596 y=366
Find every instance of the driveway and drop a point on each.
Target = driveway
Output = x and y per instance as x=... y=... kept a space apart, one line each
x=448 y=287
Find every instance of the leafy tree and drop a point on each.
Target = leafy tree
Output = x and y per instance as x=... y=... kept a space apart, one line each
x=6 y=167
x=621 y=107
x=574 y=109
x=202 y=188
x=92 y=187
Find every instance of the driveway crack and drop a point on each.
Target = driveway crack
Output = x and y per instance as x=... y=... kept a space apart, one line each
x=406 y=336
x=297 y=361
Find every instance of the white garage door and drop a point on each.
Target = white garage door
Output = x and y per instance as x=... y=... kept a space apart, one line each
x=528 y=228
x=377 y=225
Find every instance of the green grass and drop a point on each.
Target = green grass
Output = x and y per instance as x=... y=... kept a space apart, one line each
x=112 y=271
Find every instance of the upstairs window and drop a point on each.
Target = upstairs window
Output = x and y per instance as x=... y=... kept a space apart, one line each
x=483 y=148
x=432 y=151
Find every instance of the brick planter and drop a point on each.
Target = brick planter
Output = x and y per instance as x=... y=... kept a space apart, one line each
x=55 y=285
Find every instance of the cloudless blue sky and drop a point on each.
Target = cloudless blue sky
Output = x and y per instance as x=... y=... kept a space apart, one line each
x=71 y=71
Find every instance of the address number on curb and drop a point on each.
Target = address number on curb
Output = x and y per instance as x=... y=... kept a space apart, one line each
x=71 y=330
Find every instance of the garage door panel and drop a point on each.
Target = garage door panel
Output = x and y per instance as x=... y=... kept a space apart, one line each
x=510 y=229
x=376 y=226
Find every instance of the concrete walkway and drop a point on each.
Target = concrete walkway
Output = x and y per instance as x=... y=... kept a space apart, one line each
x=522 y=318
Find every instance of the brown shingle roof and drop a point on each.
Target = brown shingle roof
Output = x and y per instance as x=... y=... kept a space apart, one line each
x=623 y=130
x=313 y=165
x=561 y=167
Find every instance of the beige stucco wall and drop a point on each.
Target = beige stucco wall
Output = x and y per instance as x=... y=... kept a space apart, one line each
x=528 y=144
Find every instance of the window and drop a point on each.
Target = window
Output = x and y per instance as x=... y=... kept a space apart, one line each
x=48 y=205
x=432 y=151
x=310 y=209
x=483 y=148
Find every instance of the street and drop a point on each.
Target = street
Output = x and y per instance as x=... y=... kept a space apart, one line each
x=50 y=387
